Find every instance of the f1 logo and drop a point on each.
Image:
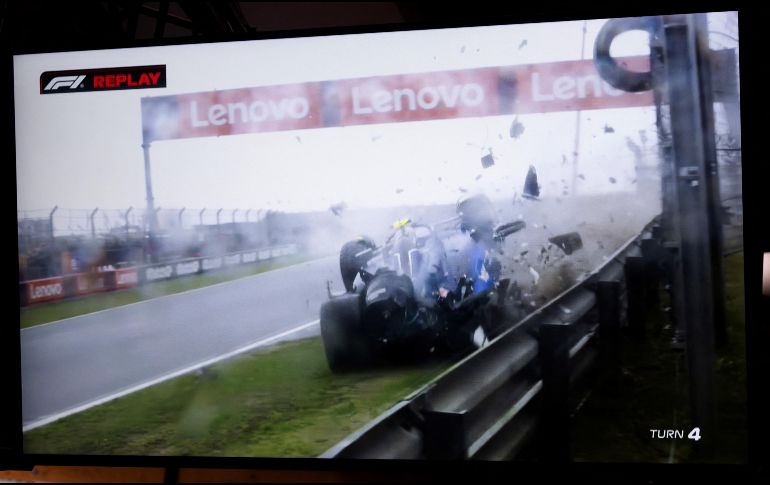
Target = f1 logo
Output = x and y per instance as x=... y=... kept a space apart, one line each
x=63 y=81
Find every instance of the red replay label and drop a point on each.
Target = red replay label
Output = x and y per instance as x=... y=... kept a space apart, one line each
x=106 y=79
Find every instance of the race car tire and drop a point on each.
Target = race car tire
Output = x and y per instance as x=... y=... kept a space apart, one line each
x=345 y=345
x=351 y=260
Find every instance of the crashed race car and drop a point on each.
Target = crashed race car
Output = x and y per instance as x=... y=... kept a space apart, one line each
x=425 y=291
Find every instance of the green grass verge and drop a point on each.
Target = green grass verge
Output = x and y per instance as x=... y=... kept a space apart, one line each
x=50 y=312
x=278 y=402
x=614 y=423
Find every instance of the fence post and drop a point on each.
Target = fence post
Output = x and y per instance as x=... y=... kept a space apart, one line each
x=93 y=226
x=181 y=211
x=218 y=212
x=200 y=216
x=50 y=220
x=125 y=216
x=554 y=364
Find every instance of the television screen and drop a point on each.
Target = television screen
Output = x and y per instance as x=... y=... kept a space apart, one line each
x=500 y=242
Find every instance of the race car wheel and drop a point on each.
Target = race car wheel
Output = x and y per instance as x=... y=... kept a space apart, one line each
x=353 y=256
x=345 y=345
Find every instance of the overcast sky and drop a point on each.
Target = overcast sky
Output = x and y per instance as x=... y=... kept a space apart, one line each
x=83 y=150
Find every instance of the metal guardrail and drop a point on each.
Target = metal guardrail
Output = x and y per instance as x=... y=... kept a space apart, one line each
x=494 y=401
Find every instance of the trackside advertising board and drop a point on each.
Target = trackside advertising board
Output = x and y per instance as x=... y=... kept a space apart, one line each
x=523 y=89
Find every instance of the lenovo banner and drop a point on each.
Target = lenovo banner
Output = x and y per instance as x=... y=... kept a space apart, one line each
x=48 y=289
x=533 y=88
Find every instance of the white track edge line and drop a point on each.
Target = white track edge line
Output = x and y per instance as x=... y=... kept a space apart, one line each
x=63 y=414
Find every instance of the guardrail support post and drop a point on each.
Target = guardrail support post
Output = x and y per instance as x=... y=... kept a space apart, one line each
x=608 y=296
x=653 y=259
x=636 y=293
x=554 y=363
x=444 y=435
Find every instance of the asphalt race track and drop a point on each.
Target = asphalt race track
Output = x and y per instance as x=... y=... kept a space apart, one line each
x=74 y=362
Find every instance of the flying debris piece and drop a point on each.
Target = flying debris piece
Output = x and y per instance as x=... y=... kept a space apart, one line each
x=523 y=43
x=398 y=191
x=487 y=160
x=462 y=189
x=299 y=140
x=563 y=159
x=439 y=179
x=534 y=274
x=531 y=188
x=499 y=136
x=516 y=128
x=599 y=243
x=523 y=253
x=569 y=242
x=633 y=181
x=609 y=129
x=612 y=180
x=478 y=176
x=338 y=208
x=581 y=176
x=565 y=193
x=462 y=49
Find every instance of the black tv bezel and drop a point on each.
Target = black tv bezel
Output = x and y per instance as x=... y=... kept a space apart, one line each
x=12 y=455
